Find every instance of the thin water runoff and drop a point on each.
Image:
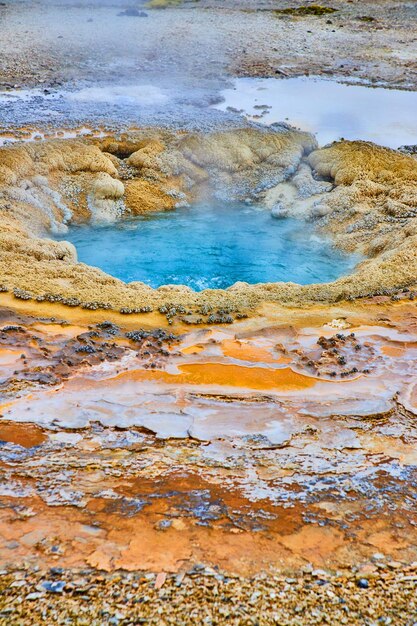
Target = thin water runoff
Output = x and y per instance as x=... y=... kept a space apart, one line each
x=211 y=246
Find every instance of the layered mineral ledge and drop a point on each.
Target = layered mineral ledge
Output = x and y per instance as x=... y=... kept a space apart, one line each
x=363 y=195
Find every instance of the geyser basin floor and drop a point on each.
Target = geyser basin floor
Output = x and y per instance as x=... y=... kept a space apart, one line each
x=329 y=109
x=211 y=246
x=112 y=459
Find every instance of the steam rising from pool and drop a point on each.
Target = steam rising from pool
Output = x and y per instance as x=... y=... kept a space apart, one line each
x=211 y=246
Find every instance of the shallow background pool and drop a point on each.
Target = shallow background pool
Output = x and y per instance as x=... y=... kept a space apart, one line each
x=210 y=246
x=327 y=108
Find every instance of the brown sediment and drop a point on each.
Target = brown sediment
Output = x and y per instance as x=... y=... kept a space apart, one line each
x=170 y=522
x=26 y=435
x=392 y=350
x=133 y=543
x=312 y=9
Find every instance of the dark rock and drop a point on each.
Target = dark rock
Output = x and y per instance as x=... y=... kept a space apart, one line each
x=132 y=13
x=54 y=586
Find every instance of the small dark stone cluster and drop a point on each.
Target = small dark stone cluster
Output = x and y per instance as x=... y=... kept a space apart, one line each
x=394 y=294
x=22 y=294
x=205 y=314
x=47 y=363
x=172 y=310
x=128 y=311
x=132 y=12
x=159 y=334
x=340 y=356
x=220 y=318
x=108 y=327
x=408 y=149
x=11 y=328
x=151 y=346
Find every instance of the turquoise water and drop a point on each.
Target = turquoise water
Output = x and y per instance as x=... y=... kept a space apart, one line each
x=210 y=246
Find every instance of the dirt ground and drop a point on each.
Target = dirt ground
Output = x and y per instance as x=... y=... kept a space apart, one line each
x=48 y=43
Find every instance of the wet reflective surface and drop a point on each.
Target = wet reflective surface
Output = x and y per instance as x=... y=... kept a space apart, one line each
x=329 y=109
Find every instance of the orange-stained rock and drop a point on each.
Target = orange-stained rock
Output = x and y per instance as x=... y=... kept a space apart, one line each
x=143 y=197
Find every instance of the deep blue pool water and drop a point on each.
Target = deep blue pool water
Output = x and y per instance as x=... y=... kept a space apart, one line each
x=210 y=246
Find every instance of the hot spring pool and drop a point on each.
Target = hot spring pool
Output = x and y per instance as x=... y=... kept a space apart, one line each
x=210 y=247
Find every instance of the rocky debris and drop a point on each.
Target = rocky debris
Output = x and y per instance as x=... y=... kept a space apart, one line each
x=132 y=12
x=160 y=335
x=408 y=149
x=21 y=294
x=10 y=328
x=366 y=18
x=207 y=314
x=152 y=346
x=53 y=586
x=109 y=327
x=289 y=599
x=392 y=295
x=341 y=355
x=129 y=311
x=47 y=363
x=306 y=10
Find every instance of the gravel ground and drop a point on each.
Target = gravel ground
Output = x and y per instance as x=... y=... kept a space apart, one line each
x=189 y=52
x=204 y=596
x=202 y=43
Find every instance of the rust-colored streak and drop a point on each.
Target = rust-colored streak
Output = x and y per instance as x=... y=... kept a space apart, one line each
x=226 y=375
x=194 y=349
x=394 y=351
x=25 y=435
x=247 y=352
